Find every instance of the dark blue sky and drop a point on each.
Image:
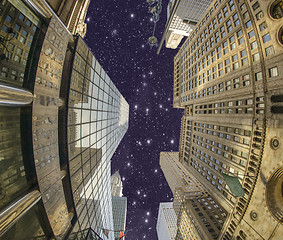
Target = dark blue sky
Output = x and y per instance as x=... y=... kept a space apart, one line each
x=117 y=33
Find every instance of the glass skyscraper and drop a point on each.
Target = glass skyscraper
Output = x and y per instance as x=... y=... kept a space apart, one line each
x=61 y=119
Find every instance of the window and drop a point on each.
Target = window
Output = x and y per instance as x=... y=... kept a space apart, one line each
x=276 y=9
x=241 y=40
x=234 y=57
x=227 y=62
x=259 y=15
x=246 y=15
x=253 y=45
x=248 y=24
x=21 y=17
x=258 y=76
x=255 y=6
x=266 y=38
x=273 y=72
x=243 y=53
x=262 y=26
x=8 y=19
x=251 y=34
x=256 y=57
x=269 y=51
x=232 y=39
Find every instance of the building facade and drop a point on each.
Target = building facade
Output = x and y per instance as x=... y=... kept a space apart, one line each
x=166 y=226
x=61 y=120
x=119 y=205
x=72 y=13
x=182 y=16
x=119 y=209
x=199 y=215
x=116 y=185
x=228 y=78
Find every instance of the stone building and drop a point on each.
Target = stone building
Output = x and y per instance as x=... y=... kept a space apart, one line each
x=228 y=78
x=72 y=13
x=199 y=215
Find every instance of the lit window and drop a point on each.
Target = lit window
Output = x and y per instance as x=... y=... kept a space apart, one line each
x=253 y=45
x=258 y=76
x=256 y=57
x=269 y=51
x=273 y=72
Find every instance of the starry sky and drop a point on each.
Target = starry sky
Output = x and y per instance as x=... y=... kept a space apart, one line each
x=117 y=33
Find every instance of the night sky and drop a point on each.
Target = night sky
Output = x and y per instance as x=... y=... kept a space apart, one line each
x=117 y=33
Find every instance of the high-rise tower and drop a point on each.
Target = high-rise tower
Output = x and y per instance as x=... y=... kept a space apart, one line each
x=119 y=204
x=199 y=215
x=228 y=78
x=166 y=225
x=182 y=17
x=61 y=118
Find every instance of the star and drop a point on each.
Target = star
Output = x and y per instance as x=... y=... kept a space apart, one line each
x=132 y=15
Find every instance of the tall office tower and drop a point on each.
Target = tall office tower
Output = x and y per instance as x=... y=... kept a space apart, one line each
x=182 y=16
x=166 y=226
x=119 y=204
x=61 y=120
x=119 y=209
x=228 y=77
x=199 y=215
x=72 y=13
x=116 y=185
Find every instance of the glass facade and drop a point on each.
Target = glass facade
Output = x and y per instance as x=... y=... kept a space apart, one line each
x=54 y=175
x=17 y=32
x=97 y=121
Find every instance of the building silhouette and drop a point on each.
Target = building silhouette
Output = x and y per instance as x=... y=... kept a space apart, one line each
x=228 y=80
x=61 y=120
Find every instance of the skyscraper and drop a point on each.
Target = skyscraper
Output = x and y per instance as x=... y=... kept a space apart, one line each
x=166 y=226
x=199 y=215
x=182 y=16
x=61 y=120
x=119 y=205
x=228 y=78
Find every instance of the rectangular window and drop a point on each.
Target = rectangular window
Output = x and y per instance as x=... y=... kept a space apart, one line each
x=235 y=65
x=251 y=34
x=256 y=57
x=253 y=45
x=258 y=76
x=255 y=6
x=269 y=51
x=259 y=15
x=266 y=38
x=262 y=26
x=273 y=72
x=241 y=40
x=248 y=24
x=243 y=53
